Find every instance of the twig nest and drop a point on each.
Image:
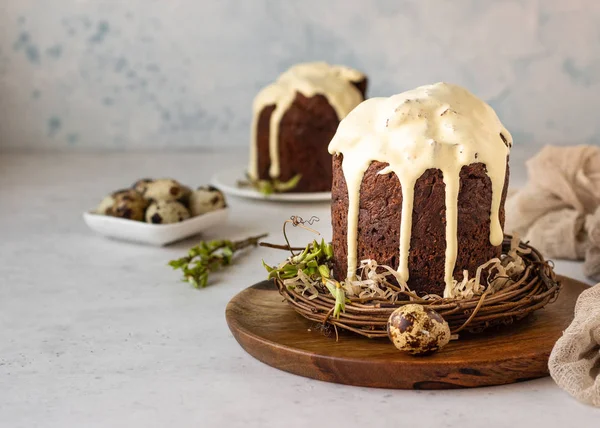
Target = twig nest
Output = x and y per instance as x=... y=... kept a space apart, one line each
x=166 y=212
x=164 y=189
x=206 y=199
x=127 y=204
x=417 y=329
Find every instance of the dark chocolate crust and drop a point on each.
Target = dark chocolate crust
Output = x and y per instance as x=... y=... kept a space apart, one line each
x=305 y=131
x=262 y=142
x=379 y=223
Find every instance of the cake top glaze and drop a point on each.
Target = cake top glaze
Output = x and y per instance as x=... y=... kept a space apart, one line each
x=418 y=122
x=334 y=81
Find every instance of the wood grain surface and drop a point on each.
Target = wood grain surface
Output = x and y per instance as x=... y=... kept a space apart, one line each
x=269 y=330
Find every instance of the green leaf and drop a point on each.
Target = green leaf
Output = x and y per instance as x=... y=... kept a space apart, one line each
x=287 y=185
x=312 y=271
x=340 y=302
x=300 y=257
x=265 y=187
x=328 y=250
x=203 y=282
x=272 y=272
x=192 y=281
x=331 y=287
x=227 y=255
x=315 y=245
x=288 y=275
x=178 y=264
x=268 y=187
x=324 y=271
x=312 y=263
x=267 y=267
x=340 y=297
x=290 y=268
x=312 y=256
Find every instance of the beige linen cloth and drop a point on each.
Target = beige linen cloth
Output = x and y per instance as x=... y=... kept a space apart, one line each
x=558 y=212
x=575 y=360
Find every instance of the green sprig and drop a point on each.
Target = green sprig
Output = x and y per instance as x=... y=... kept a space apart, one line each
x=311 y=261
x=314 y=262
x=336 y=290
x=208 y=257
x=268 y=187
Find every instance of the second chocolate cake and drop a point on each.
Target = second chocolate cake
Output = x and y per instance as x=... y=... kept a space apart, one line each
x=294 y=120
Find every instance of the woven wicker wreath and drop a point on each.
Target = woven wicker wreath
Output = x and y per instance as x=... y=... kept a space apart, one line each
x=532 y=289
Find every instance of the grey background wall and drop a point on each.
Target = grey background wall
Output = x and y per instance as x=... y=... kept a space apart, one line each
x=148 y=74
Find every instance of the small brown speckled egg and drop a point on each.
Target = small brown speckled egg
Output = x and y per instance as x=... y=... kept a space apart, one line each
x=206 y=199
x=185 y=197
x=164 y=189
x=166 y=212
x=417 y=329
x=141 y=185
x=132 y=192
x=128 y=204
x=105 y=205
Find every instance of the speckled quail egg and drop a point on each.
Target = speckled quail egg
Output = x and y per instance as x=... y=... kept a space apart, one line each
x=417 y=329
x=206 y=199
x=165 y=212
x=164 y=189
x=128 y=204
x=141 y=185
x=105 y=205
x=185 y=198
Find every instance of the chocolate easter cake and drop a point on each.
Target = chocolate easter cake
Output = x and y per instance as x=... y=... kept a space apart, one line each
x=295 y=119
x=419 y=184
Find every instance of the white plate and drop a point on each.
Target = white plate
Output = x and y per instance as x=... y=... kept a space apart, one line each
x=153 y=234
x=227 y=181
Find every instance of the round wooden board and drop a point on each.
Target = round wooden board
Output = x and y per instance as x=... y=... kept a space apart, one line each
x=271 y=331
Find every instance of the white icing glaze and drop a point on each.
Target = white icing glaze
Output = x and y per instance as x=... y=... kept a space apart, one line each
x=439 y=126
x=332 y=81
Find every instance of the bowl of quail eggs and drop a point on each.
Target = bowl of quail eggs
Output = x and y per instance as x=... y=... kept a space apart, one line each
x=158 y=212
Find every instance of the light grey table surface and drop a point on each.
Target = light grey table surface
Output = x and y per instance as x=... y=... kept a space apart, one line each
x=100 y=333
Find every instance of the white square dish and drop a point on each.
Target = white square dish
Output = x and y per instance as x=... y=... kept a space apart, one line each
x=153 y=234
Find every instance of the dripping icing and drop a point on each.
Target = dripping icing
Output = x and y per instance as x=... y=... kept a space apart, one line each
x=332 y=81
x=440 y=126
